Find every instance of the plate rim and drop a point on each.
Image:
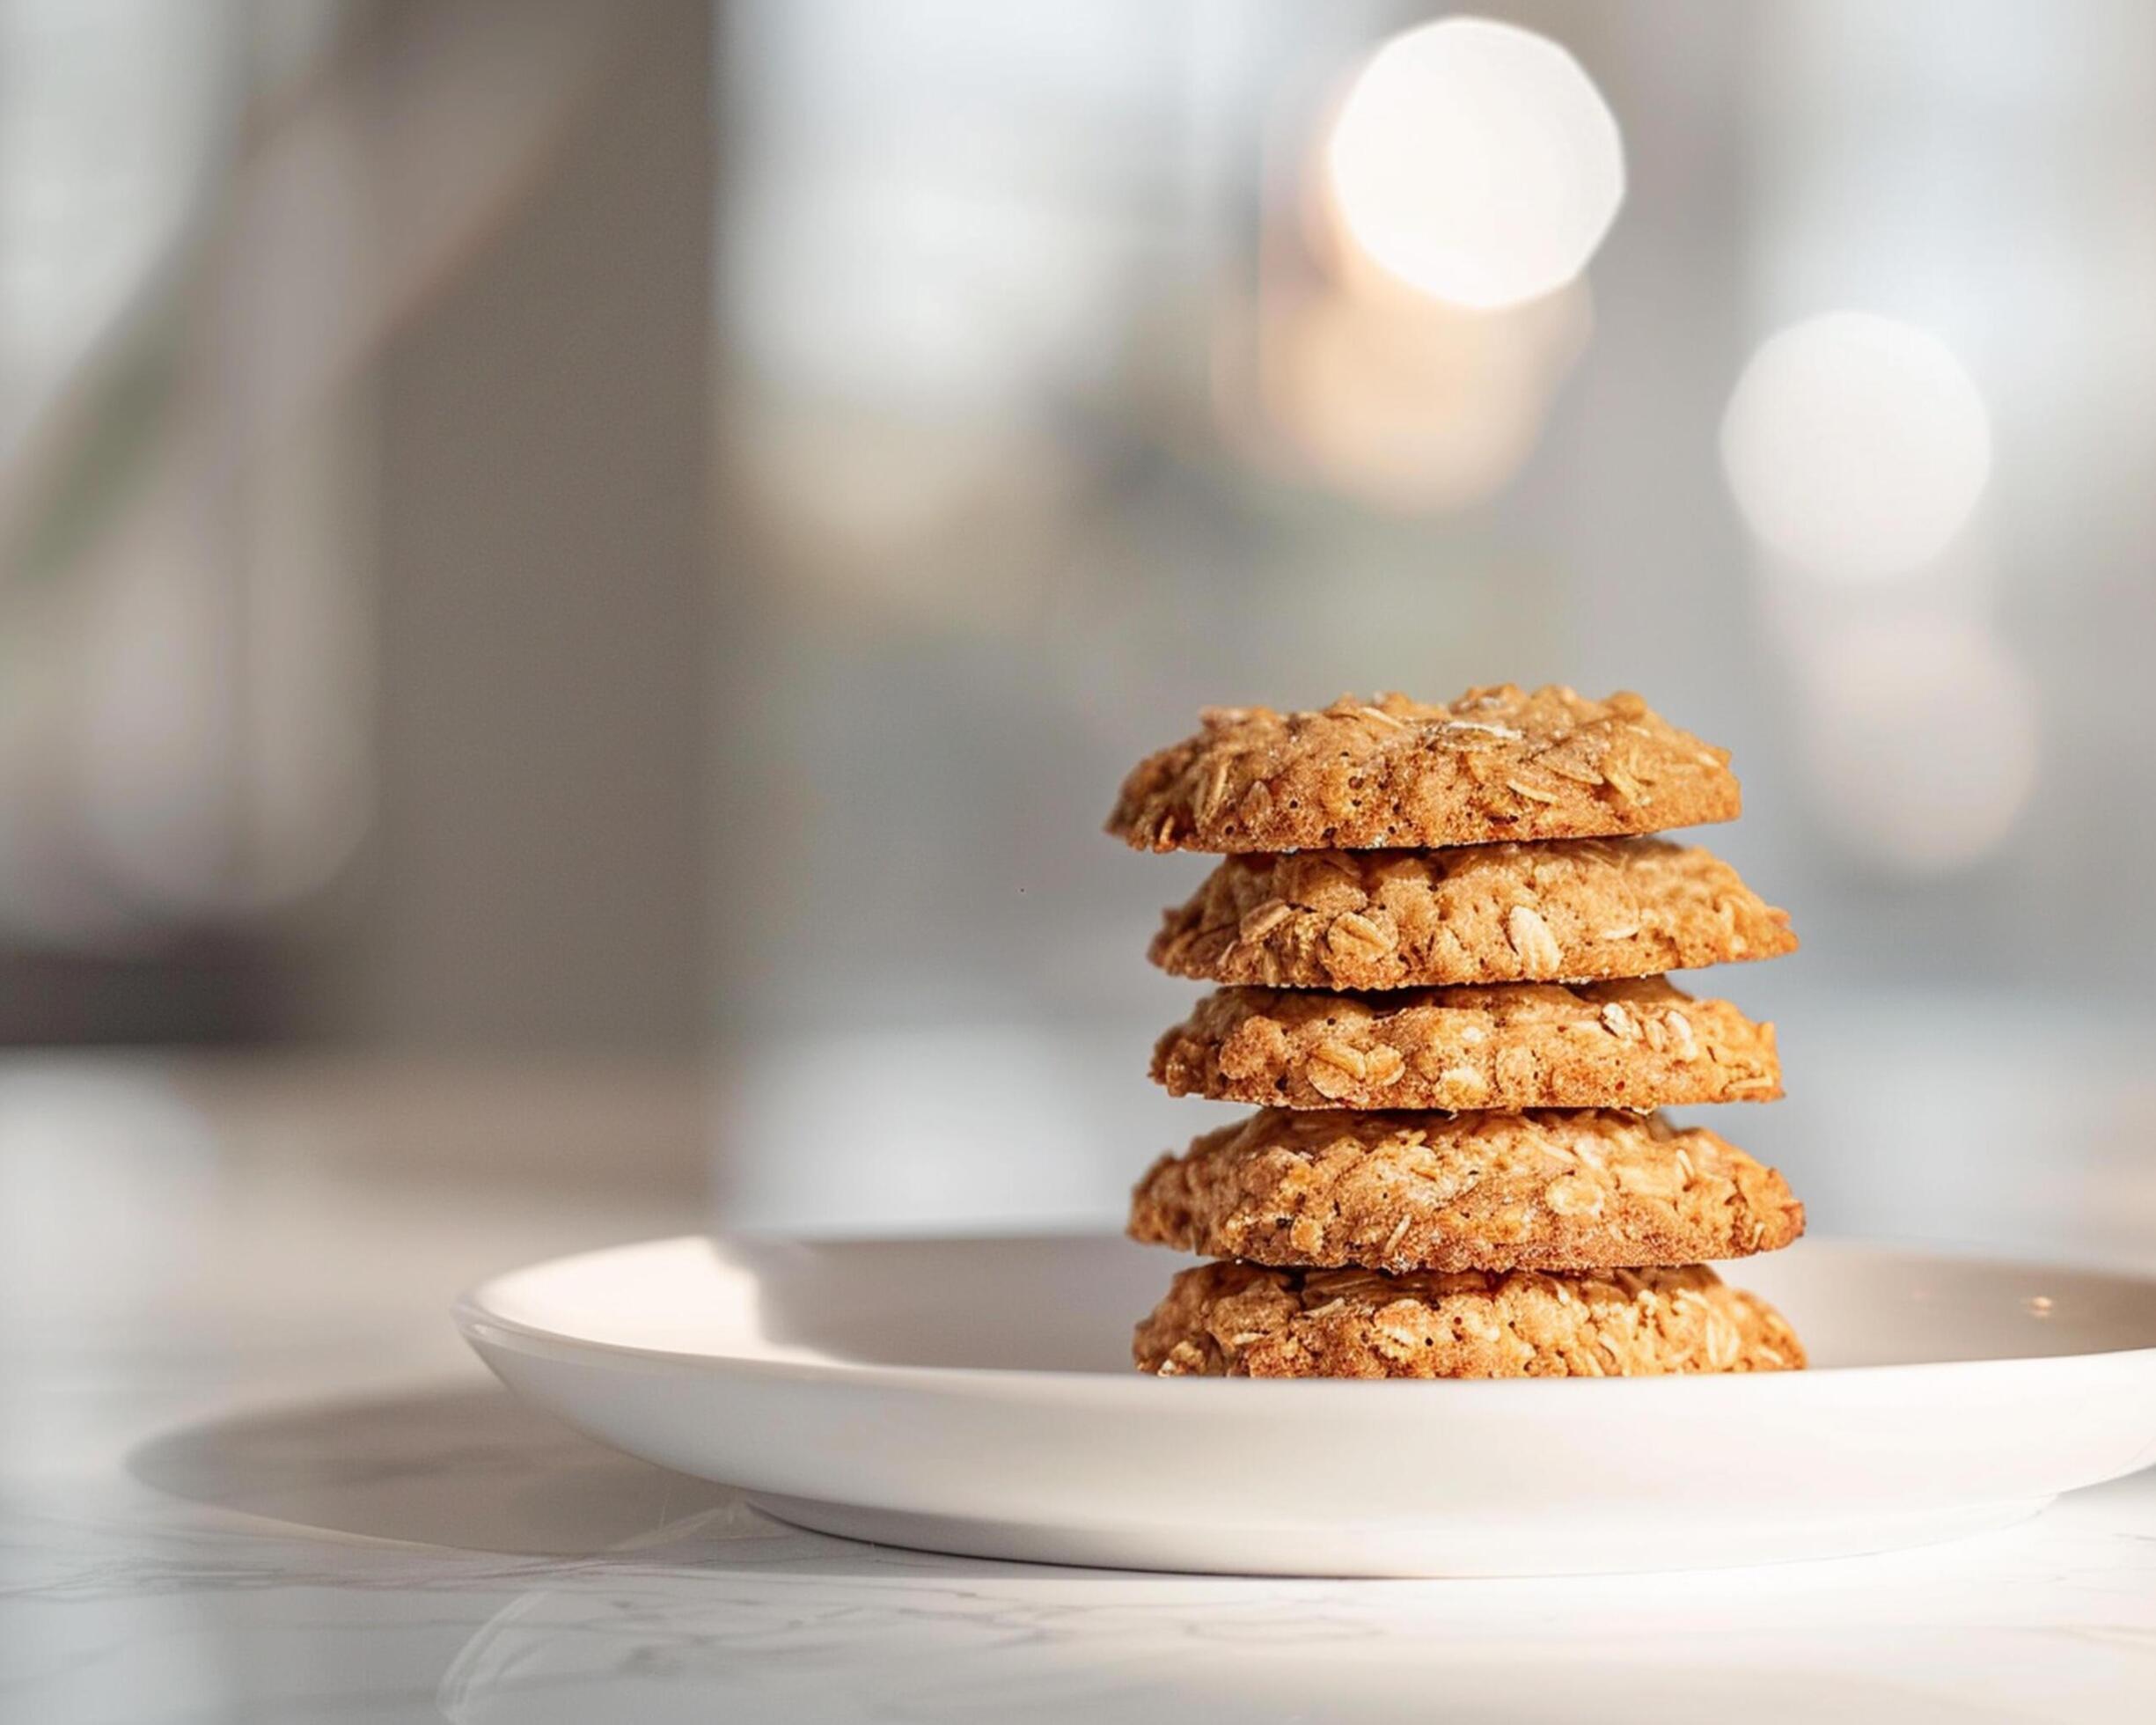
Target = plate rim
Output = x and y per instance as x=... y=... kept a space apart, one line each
x=480 y=1326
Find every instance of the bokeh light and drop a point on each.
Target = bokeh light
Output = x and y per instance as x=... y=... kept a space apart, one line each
x=1920 y=739
x=1477 y=162
x=1856 y=445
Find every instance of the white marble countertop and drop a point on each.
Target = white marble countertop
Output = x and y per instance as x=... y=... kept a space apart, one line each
x=246 y=1473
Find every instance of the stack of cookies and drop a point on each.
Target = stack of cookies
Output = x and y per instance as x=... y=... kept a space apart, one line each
x=1440 y=937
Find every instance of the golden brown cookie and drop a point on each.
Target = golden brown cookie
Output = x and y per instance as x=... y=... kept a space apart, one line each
x=1239 y=1320
x=1574 y=911
x=1553 y=1190
x=1498 y=763
x=1633 y=1045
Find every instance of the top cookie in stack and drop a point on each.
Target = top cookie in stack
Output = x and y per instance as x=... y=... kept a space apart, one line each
x=1496 y=764
x=1475 y=881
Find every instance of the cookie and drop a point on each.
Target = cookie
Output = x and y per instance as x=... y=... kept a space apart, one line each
x=1633 y=1045
x=1585 y=1190
x=1239 y=1320
x=1576 y=912
x=1498 y=763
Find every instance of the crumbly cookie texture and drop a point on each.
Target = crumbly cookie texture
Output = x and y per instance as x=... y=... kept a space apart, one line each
x=1637 y=1045
x=1563 y=1190
x=1498 y=763
x=1577 y=912
x=1240 y=1320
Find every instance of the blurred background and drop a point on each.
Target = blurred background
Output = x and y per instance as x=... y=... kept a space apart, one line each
x=576 y=580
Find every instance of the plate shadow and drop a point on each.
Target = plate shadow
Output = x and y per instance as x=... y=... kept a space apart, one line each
x=466 y=1467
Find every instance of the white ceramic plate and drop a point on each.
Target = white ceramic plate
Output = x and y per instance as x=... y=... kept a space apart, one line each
x=976 y=1396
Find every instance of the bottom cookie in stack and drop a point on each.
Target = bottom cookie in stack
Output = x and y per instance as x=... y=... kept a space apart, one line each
x=1428 y=1244
x=1244 y=1320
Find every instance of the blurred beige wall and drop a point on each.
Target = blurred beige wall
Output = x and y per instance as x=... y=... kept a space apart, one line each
x=533 y=877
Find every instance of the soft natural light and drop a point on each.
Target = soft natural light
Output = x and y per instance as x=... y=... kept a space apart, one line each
x=1415 y=407
x=1477 y=162
x=1856 y=445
